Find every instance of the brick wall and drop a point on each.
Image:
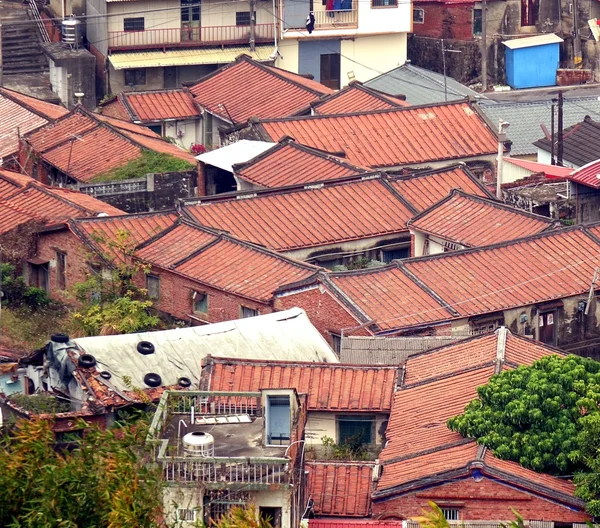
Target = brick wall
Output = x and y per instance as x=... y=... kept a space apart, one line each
x=445 y=21
x=477 y=501
x=325 y=312
x=176 y=299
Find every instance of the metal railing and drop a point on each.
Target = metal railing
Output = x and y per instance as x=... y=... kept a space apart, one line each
x=35 y=11
x=336 y=18
x=188 y=37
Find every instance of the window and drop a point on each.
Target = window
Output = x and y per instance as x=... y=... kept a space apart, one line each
x=242 y=18
x=477 y=21
x=330 y=70
x=384 y=3
x=336 y=343
x=451 y=514
x=278 y=421
x=529 y=12
x=184 y=514
x=486 y=325
x=190 y=11
x=356 y=430
x=61 y=270
x=547 y=328
x=153 y=286
x=135 y=77
x=418 y=16
x=395 y=254
x=200 y=302
x=37 y=275
x=271 y=515
x=133 y=24
x=248 y=312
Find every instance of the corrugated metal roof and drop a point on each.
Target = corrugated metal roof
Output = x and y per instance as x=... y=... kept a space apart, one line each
x=588 y=175
x=420 y=86
x=186 y=57
x=537 y=40
x=551 y=171
x=285 y=335
x=238 y=152
x=524 y=132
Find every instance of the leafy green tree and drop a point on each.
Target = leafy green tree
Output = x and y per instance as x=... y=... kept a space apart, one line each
x=105 y=482
x=587 y=455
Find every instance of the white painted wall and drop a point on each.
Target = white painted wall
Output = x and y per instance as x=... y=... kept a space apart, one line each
x=192 y=132
x=543 y=156
x=175 y=497
x=218 y=13
x=276 y=499
x=169 y=15
x=320 y=424
x=367 y=57
x=436 y=245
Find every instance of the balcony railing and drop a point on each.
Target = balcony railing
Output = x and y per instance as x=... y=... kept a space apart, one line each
x=189 y=37
x=342 y=18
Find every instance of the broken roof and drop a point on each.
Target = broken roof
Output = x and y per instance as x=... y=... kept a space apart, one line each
x=326 y=212
x=247 y=88
x=329 y=387
x=289 y=163
x=474 y=221
x=390 y=138
x=287 y=219
x=152 y=106
x=20 y=114
x=282 y=335
x=340 y=489
x=438 y=384
x=356 y=97
x=66 y=144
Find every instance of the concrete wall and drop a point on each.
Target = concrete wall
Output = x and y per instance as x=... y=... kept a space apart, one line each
x=157 y=15
x=435 y=245
x=218 y=13
x=155 y=80
x=587 y=200
x=185 y=133
x=97 y=25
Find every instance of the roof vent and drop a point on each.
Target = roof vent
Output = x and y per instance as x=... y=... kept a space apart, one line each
x=199 y=444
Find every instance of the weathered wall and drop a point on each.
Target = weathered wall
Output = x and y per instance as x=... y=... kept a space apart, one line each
x=587 y=203
x=485 y=500
x=320 y=424
x=453 y=21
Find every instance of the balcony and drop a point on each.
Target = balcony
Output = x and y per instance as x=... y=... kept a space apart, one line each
x=343 y=18
x=190 y=37
x=236 y=423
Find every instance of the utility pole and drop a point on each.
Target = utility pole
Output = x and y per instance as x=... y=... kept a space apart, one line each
x=577 y=60
x=552 y=158
x=560 y=145
x=1 y=65
x=484 y=45
x=444 y=50
x=252 y=24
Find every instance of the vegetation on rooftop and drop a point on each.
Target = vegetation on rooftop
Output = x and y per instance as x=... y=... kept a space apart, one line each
x=40 y=403
x=545 y=417
x=148 y=162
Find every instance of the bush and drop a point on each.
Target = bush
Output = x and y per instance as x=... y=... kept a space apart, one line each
x=40 y=403
x=148 y=162
x=18 y=294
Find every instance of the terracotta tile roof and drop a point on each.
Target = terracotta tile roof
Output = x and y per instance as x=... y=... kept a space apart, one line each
x=66 y=144
x=10 y=182
x=115 y=108
x=352 y=523
x=473 y=221
x=424 y=189
x=174 y=244
x=286 y=220
x=243 y=269
x=48 y=205
x=385 y=294
x=289 y=163
x=356 y=98
x=246 y=88
x=311 y=84
x=543 y=267
x=391 y=138
x=153 y=106
x=340 y=489
x=97 y=232
x=588 y=175
x=427 y=465
x=20 y=114
x=329 y=386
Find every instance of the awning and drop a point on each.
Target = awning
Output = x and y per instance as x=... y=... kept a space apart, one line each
x=186 y=57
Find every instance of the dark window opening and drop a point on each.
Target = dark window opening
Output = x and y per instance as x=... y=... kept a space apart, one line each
x=529 y=12
x=242 y=18
x=248 y=312
x=451 y=514
x=157 y=129
x=271 y=515
x=200 y=302
x=38 y=275
x=395 y=254
x=356 y=430
x=384 y=3
x=331 y=70
x=477 y=21
x=133 y=24
x=418 y=16
x=190 y=10
x=61 y=270
x=336 y=343
x=153 y=286
x=135 y=77
x=547 y=328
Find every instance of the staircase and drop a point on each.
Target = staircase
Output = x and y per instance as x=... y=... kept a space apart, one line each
x=21 y=51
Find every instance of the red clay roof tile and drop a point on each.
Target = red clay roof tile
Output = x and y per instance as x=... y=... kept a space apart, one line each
x=12 y=217
x=43 y=108
x=356 y=98
x=289 y=163
x=391 y=138
x=311 y=84
x=472 y=221
x=246 y=88
x=342 y=489
x=424 y=189
x=11 y=182
x=329 y=386
x=307 y=217
x=157 y=105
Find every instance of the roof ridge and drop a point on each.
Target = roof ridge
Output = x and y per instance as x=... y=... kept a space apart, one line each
x=122 y=98
x=131 y=216
x=50 y=192
x=26 y=105
x=417 y=454
x=304 y=364
x=448 y=375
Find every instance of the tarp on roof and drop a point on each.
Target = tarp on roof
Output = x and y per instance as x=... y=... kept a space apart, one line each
x=528 y=42
x=186 y=57
x=287 y=336
x=239 y=152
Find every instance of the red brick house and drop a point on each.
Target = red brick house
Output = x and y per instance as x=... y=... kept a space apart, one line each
x=423 y=460
x=448 y=19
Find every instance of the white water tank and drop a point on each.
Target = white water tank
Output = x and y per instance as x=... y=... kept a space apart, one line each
x=199 y=444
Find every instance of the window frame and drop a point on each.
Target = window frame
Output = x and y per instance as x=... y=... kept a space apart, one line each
x=336 y=343
x=422 y=21
x=237 y=21
x=371 y=418
x=384 y=4
x=187 y=510
x=61 y=270
x=245 y=310
x=135 y=22
x=149 y=277
x=139 y=76
x=195 y=295
x=475 y=19
x=451 y=513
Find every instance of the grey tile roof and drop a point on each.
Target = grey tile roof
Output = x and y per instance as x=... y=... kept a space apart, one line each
x=419 y=85
x=525 y=119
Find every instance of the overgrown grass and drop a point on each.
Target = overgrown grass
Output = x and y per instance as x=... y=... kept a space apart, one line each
x=148 y=162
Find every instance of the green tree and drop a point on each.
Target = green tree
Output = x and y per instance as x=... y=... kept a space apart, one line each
x=105 y=482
